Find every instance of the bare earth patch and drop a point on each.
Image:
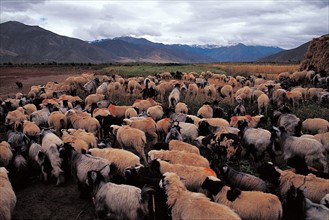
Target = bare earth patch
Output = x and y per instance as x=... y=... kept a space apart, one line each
x=38 y=200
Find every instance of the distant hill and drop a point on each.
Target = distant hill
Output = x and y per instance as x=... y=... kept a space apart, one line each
x=22 y=43
x=25 y=44
x=294 y=55
x=236 y=53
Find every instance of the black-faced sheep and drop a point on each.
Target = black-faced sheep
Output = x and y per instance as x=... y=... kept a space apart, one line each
x=118 y=201
x=257 y=141
x=130 y=137
x=8 y=196
x=179 y=157
x=81 y=164
x=316 y=188
x=189 y=205
x=41 y=161
x=311 y=149
x=247 y=204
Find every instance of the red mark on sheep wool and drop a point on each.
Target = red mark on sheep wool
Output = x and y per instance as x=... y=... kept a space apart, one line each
x=210 y=172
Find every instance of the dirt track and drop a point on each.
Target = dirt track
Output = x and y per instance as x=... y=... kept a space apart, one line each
x=38 y=200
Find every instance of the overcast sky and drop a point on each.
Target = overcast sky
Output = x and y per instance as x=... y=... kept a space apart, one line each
x=283 y=23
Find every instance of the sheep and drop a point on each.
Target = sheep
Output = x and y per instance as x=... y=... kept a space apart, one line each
x=6 y=155
x=50 y=145
x=296 y=206
x=58 y=121
x=177 y=145
x=147 y=125
x=240 y=110
x=205 y=111
x=81 y=164
x=40 y=117
x=290 y=122
x=93 y=98
x=257 y=141
x=130 y=137
x=8 y=196
x=15 y=115
x=315 y=125
x=324 y=139
x=88 y=137
x=311 y=149
x=247 y=204
x=174 y=96
x=163 y=127
x=301 y=167
x=38 y=157
x=278 y=97
x=18 y=140
x=295 y=97
x=316 y=211
x=144 y=104
x=210 y=91
x=155 y=112
x=118 y=201
x=242 y=180
x=174 y=133
x=253 y=121
x=189 y=205
x=216 y=122
x=164 y=88
x=78 y=144
x=263 y=102
x=141 y=176
x=193 y=176
x=192 y=90
x=131 y=112
x=29 y=109
x=121 y=158
x=316 y=187
x=79 y=122
x=188 y=131
x=179 y=157
x=31 y=130
x=181 y=107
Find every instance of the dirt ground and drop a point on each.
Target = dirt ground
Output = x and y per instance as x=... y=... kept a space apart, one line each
x=38 y=200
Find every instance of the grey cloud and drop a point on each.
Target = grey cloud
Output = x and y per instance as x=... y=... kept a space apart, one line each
x=19 y=5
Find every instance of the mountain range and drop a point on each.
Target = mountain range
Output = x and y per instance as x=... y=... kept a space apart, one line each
x=20 y=43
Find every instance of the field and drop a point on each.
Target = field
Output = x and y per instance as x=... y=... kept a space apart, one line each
x=40 y=201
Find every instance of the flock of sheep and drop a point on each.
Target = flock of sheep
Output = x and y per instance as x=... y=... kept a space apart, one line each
x=154 y=159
